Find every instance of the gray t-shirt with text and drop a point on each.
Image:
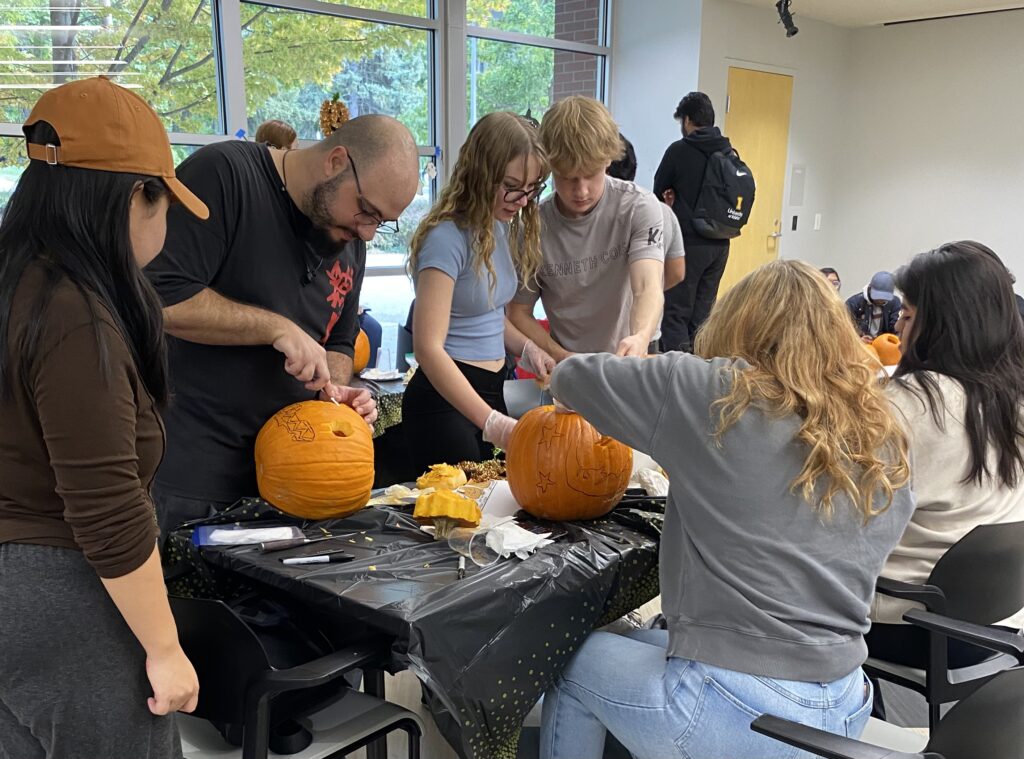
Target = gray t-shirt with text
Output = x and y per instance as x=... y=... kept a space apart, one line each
x=583 y=280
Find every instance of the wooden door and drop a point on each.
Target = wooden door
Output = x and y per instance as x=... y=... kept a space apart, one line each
x=757 y=124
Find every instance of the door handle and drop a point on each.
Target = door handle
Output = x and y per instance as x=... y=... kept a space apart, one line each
x=775 y=234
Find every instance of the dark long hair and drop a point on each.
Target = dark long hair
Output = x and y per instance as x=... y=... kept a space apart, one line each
x=75 y=223
x=967 y=327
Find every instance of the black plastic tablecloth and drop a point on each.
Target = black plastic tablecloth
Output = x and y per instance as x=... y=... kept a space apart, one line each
x=486 y=646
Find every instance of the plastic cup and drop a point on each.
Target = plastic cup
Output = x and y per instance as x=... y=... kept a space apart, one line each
x=472 y=543
x=384 y=360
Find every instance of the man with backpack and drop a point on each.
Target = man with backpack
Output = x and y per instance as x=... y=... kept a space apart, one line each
x=711 y=192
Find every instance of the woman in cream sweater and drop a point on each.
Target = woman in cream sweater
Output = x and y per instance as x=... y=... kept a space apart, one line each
x=960 y=386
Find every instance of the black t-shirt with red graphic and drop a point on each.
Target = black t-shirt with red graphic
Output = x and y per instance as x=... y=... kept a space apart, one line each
x=256 y=248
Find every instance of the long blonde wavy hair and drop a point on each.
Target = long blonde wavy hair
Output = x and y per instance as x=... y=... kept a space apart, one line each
x=468 y=198
x=806 y=359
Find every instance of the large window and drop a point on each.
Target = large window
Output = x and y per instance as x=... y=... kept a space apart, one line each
x=294 y=61
x=215 y=69
x=163 y=50
x=570 y=20
x=505 y=76
x=524 y=55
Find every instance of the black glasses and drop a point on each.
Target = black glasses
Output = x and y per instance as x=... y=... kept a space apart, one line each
x=369 y=217
x=514 y=196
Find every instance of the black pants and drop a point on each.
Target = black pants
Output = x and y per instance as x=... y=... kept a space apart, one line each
x=908 y=645
x=435 y=431
x=688 y=304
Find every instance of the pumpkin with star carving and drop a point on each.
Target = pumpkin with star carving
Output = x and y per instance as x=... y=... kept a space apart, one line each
x=561 y=468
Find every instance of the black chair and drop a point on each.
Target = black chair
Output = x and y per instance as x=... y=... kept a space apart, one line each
x=405 y=346
x=980 y=579
x=237 y=680
x=988 y=724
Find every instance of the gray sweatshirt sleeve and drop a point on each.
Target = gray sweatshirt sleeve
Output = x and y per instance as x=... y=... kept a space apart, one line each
x=622 y=397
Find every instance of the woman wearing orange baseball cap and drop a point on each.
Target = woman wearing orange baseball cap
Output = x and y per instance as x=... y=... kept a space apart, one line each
x=90 y=663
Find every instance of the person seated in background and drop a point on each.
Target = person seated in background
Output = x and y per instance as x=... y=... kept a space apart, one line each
x=675 y=256
x=833 y=277
x=789 y=486
x=464 y=259
x=277 y=134
x=875 y=310
x=960 y=387
x=601 y=238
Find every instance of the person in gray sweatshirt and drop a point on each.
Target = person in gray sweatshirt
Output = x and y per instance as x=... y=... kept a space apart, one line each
x=788 y=489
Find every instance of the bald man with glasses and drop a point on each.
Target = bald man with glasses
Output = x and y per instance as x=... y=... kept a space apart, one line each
x=261 y=302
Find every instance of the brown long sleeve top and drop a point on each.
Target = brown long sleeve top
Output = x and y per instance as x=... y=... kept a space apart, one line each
x=78 y=446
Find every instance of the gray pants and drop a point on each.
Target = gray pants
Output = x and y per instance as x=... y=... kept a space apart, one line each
x=72 y=675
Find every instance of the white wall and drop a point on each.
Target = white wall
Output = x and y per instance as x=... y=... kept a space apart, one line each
x=932 y=151
x=817 y=58
x=655 y=49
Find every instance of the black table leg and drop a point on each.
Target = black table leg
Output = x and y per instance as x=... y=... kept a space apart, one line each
x=373 y=685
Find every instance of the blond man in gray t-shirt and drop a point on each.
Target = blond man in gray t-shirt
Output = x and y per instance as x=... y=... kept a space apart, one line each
x=601 y=241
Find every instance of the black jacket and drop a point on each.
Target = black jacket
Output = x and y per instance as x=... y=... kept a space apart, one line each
x=682 y=171
x=860 y=309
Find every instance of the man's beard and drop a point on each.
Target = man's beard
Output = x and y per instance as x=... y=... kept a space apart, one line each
x=317 y=209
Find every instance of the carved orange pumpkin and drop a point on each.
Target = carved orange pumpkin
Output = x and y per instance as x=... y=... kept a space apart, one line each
x=888 y=349
x=561 y=468
x=362 y=353
x=314 y=460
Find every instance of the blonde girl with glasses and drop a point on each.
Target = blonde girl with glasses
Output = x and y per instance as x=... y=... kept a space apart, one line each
x=465 y=260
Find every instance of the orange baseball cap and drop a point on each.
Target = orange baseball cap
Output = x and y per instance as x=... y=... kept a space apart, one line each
x=105 y=127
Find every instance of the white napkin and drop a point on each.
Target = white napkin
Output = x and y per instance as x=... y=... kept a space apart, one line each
x=652 y=481
x=506 y=537
x=229 y=537
x=394 y=495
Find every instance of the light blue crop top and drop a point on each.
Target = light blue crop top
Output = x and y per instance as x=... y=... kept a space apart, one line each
x=476 y=329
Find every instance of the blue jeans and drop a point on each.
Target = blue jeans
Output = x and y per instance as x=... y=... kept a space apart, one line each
x=668 y=708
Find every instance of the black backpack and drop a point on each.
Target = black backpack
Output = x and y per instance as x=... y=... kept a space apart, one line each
x=725 y=198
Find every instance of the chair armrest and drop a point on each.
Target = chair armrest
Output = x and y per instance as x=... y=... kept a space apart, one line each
x=1000 y=641
x=825 y=744
x=324 y=669
x=930 y=595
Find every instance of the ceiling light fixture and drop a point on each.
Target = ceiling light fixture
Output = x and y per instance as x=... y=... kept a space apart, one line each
x=786 y=17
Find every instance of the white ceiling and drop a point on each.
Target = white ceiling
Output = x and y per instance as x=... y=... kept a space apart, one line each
x=875 y=12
